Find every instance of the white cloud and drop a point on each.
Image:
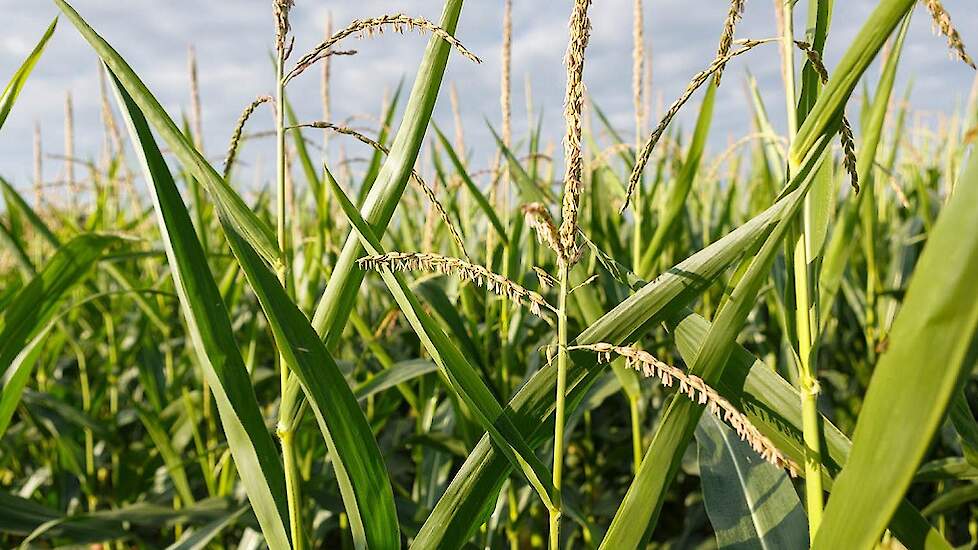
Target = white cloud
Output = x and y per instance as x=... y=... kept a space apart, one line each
x=232 y=39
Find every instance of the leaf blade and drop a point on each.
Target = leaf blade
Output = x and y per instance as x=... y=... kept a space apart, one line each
x=904 y=404
x=210 y=331
x=19 y=78
x=229 y=203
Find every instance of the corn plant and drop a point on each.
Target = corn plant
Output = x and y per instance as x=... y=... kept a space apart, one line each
x=432 y=354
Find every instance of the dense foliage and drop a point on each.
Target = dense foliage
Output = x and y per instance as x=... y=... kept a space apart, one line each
x=393 y=353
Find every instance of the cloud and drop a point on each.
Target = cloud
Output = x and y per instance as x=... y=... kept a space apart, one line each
x=232 y=39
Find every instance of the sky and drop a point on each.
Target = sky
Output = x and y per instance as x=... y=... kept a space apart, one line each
x=233 y=38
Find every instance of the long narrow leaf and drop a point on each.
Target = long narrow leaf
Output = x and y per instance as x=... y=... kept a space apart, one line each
x=472 y=492
x=254 y=452
x=360 y=470
x=905 y=403
x=35 y=304
x=337 y=300
x=751 y=503
x=462 y=375
x=229 y=203
x=480 y=199
x=771 y=403
x=17 y=82
x=645 y=496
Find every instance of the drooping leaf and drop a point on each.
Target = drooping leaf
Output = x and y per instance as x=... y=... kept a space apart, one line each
x=462 y=376
x=228 y=202
x=199 y=538
x=35 y=304
x=480 y=199
x=366 y=489
x=771 y=404
x=646 y=495
x=209 y=329
x=472 y=492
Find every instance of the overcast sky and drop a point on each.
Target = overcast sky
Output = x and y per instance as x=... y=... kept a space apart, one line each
x=232 y=39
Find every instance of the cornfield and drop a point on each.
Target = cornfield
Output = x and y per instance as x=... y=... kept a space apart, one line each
x=621 y=341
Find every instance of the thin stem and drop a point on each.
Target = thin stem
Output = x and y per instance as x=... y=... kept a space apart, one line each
x=806 y=317
x=638 y=58
x=868 y=208
x=636 y=433
x=280 y=167
x=70 y=153
x=788 y=65
x=503 y=183
x=199 y=445
x=813 y=454
x=512 y=532
x=562 y=361
x=292 y=492
x=86 y=396
x=113 y=380
x=806 y=312
x=286 y=425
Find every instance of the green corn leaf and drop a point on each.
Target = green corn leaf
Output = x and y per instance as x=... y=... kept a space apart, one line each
x=35 y=304
x=305 y=161
x=337 y=300
x=9 y=240
x=861 y=52
x=841 y=242
x=209 y=328
x=471 y=495
x=679 y=192
x=952 y=500
x=229 y=203
x=360 y=470
x=905 y=404
x=19 y=373
x=200 y=538
x=771 y=404
x=965 y=424
x=819 y=19
x=462 y=376
x=645 y=496
x=377 y=157
x=751 y=503
x=946 y=468
x=442 y=307
x=627 y=155
x=17 y=82
x=39 y=522
x=16 y=203
x=399 y=373
x=171 y=458
x=480 y=199
x=529 y=190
